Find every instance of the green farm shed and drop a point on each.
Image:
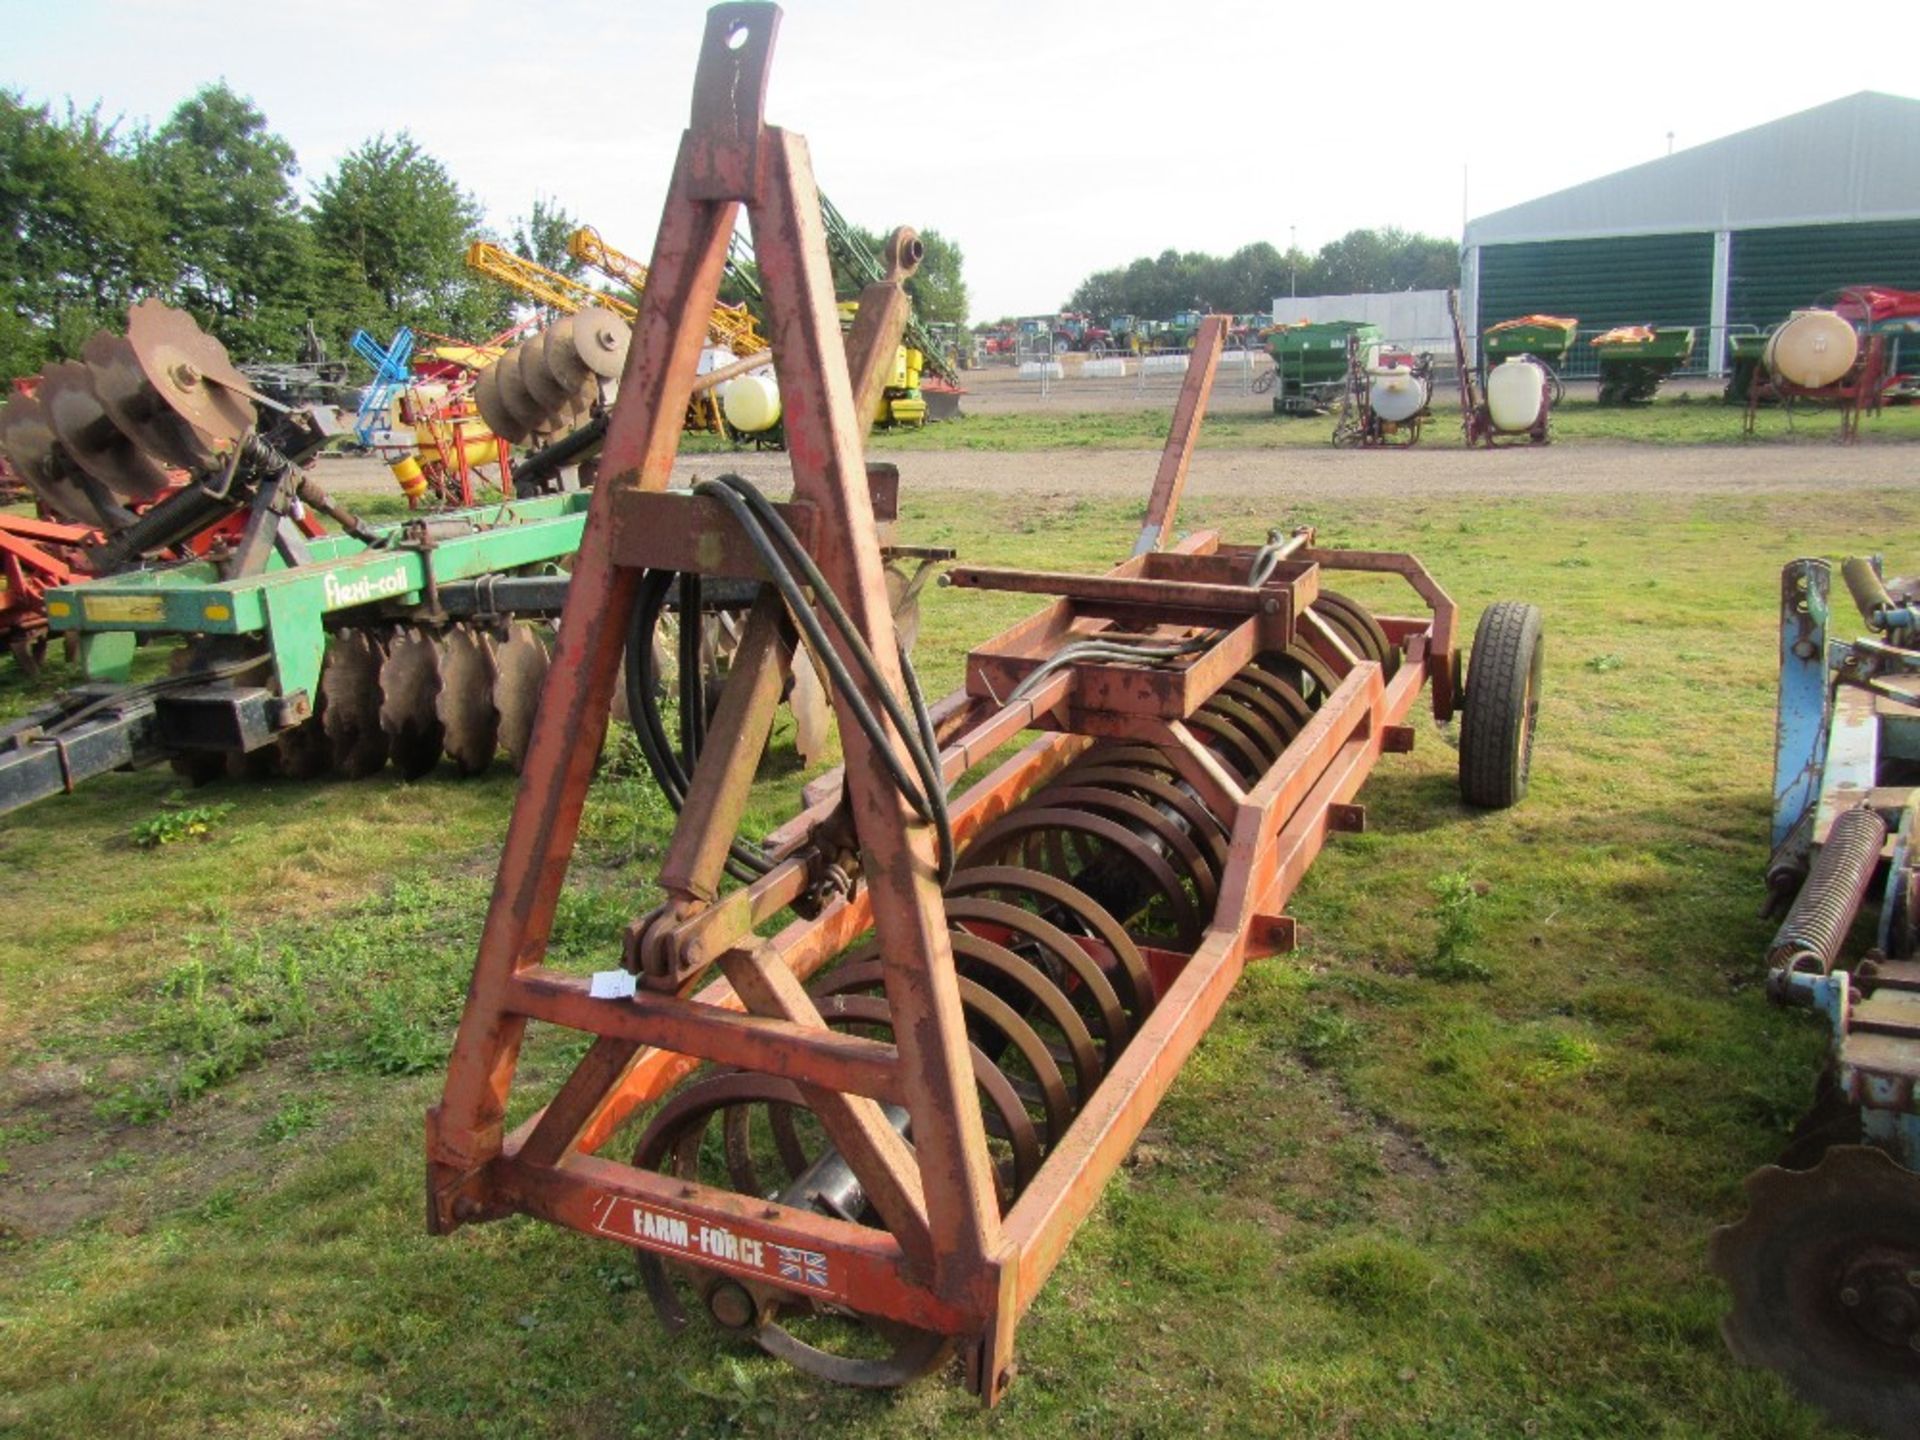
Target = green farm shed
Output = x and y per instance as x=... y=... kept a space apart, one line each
x=1726 y=237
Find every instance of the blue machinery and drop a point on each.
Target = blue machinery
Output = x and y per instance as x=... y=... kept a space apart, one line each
x=1825 y=1266
x=391 y=370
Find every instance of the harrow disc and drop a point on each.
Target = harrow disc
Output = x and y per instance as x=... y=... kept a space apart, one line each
x=350 y=703
x=470 y=726
x=27 y=438
x=136 y=410
x=190 y=373
x=519 y=670
x=302 y=753
x=494 y=409
x=410 y=683
x=542 y=370
x=89 y=435
x=1823 y=1271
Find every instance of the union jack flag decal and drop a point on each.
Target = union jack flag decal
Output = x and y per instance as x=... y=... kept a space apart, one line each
x=805 y=1267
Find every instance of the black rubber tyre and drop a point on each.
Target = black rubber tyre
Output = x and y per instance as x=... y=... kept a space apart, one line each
x=1503 y=700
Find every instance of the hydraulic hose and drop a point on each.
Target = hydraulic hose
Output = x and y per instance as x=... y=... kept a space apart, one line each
x=782 y=553
x=669 y=765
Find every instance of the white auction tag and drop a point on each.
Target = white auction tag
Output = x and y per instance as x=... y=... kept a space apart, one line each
x=612 y=985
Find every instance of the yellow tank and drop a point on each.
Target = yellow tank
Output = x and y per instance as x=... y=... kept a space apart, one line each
x=904 y=410
x=410 y=477
x=1812 y=348
x=469 y=435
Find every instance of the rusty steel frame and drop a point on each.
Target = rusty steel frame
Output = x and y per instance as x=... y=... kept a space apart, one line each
x=948 y=1260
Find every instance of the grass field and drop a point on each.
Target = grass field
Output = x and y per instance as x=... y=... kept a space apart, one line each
x=1448 y=1170
x=1677 y=420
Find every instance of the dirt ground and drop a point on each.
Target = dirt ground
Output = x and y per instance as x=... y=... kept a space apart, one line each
x=1311 y=472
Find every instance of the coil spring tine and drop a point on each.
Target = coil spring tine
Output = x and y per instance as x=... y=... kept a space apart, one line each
x=1131 y=977
x=1321 y=672
x=1252 y=723
x=1144 y=757
x=1016 y=1125
x=1178 y=844
x=984 y=960
x=1279 y=719
x=786 y=1139
x=736 y=1134
x=982 y=1005
x=1343 y=631
x=1152 y=865
x=1374 y=644
x=984 y=954
x=1234 y=750
x=1088 y=980
x=1201 y=824
x=1280 y=692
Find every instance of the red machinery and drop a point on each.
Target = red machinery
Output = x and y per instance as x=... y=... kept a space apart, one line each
x=35 y=555
x=1873 y=311
x=898 y=1136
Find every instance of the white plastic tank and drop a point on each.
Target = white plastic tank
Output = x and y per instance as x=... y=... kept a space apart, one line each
x=1396 y=395
x=1516 y=389
x=1812 y=348
x=751 y=403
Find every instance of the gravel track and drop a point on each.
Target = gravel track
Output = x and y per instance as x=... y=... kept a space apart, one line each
x=1574 y=470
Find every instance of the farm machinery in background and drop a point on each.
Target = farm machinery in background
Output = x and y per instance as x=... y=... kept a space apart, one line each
x=303 y=651
x=909 y=398
x=999 y=342
x=565 y=296
x=1635 y=360
x=1515 y=402
x=110 y=479
x=1311 y=363
x=1117 y=335
x=421 y=416
x=1824 y=1268
x=1546 y=340
x=1852 y=354
x=1387 y=398
x=861 y=1155
x=36 y=552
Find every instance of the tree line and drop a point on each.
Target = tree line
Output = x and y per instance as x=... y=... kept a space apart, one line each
x=205 y=212
x=1248 y=280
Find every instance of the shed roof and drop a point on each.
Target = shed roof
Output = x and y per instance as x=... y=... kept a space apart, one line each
x=1856 y=158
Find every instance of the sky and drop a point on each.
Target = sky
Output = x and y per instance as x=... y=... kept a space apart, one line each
x=1049 y=139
